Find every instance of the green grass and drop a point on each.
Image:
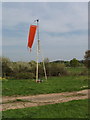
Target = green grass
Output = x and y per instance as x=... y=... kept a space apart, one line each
x=72 y=109
x=53 y=85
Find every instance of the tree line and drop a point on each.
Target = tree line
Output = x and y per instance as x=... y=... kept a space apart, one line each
x=26 y=70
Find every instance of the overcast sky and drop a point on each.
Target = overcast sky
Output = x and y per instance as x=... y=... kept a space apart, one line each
x=63 y=29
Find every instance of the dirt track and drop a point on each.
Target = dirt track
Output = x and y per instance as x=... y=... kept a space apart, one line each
x=43 y=99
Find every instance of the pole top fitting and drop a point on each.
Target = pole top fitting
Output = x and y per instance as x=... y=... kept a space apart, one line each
x=36 y=20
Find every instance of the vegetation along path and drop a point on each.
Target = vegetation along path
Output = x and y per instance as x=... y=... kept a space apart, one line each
x=36 y=100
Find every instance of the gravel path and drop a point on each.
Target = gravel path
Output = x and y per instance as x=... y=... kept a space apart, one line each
x=43 y=99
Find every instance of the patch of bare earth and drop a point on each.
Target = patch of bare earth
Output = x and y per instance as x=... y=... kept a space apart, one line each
x=43 y=99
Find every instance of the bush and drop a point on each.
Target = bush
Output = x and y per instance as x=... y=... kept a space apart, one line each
x=56 y=69
x=27 y=70
x=84 y=72
x=24 y=76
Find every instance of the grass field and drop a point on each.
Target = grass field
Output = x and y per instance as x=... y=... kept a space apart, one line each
x=72 y=109
x=53 y=85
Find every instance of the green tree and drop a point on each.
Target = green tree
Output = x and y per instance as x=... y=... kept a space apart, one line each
x=74 y=62
x=6 y=66
x=87 y=58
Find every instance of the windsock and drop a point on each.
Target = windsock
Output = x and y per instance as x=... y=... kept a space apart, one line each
x=31 y=36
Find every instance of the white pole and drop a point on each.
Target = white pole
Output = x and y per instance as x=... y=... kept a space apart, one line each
x=37 y=65
x=37 y=49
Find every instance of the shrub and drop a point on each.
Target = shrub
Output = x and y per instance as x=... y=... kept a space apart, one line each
x=56 y=69
x=24 y=76
x=84 y=72
x=27 y=70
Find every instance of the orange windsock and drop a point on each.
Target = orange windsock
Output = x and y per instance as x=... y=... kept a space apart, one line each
x=31 y=36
